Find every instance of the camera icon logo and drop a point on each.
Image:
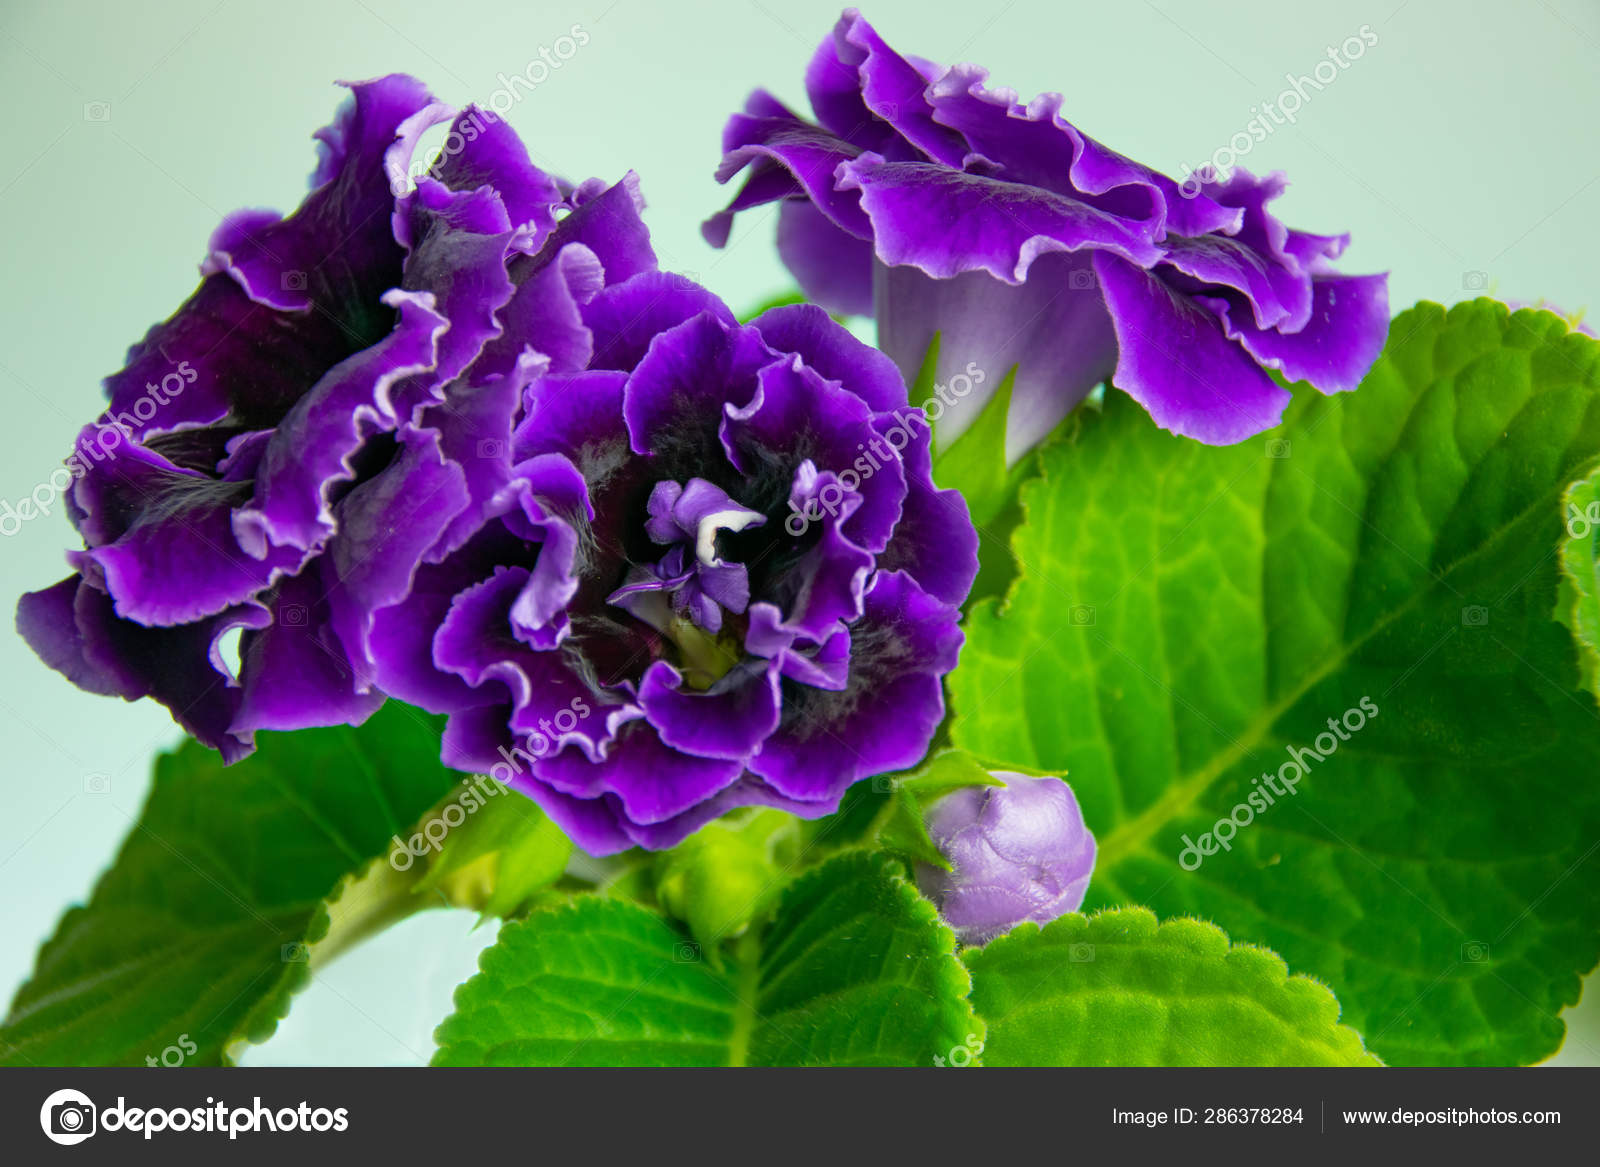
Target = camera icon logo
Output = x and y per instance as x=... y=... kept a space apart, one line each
x=686 y=952
x=295 y=953
x=1082 y=615
x=1081 y=280
x=1277 y=448
x=292 y=615
x=293 y=281
x=1474 y=952
x=1474 y=281
x=1474 y=616
x=491 y=448
x=97 y=111
x=68 y=1117
x=1081 y=954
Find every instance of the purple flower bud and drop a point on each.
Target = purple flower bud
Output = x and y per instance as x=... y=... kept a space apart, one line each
x=1019 y=851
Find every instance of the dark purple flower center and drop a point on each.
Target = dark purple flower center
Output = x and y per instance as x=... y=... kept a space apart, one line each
x=687 y=592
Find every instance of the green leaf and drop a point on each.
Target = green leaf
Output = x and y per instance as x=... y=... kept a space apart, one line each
x=975 y=463
x=946 y=771
x=204 y=924
x=598 y=982
x=921 y=389
x=903 y=830
x=854 y=969
x=1580 y=566
x=887 y=812
x=1186 y=615
x=1116 y=990
x=901 y=826
x=854 y=824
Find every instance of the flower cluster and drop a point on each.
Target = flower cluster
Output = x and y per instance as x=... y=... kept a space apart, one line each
x=448 y=434
x=946 y=207
x=459 y=441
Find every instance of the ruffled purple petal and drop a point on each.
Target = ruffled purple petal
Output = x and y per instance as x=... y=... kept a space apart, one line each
x=894 y=89
x=886 y=717
x=491 y=155
x=163 y=544
x=458 y=259
x=1174 y=359
x=730 y=720
x=688 y=378
x=295 y=671
x=400 y=642
x=572 y=414
x=946 y=222
x=626 y=318
x=935 y=542
x=546 y=315
x=609 y=225
x=473 y=425
x=746 y=791
x=1344 y=336
x=799 y=657
x=794 y=406
x=650 y=781
x=388 y=524
x=834 y=352
x=833 y=84
x=180 y=667
x=824 y=589
x=782 y=150
x=1034 y=144
x=312 y=449
x=47 y=620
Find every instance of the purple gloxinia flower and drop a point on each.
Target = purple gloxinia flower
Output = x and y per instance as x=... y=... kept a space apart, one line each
x=332 y=406
x=946 y=207
x=719 y=576
x=1019 y=852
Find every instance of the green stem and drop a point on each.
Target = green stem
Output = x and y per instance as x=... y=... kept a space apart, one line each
x=366 y=905
x=747 y=959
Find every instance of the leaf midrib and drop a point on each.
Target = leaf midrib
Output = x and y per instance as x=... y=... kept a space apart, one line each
x=1129 y=836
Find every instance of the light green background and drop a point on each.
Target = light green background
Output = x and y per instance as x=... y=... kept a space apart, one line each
x=1458 y=150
